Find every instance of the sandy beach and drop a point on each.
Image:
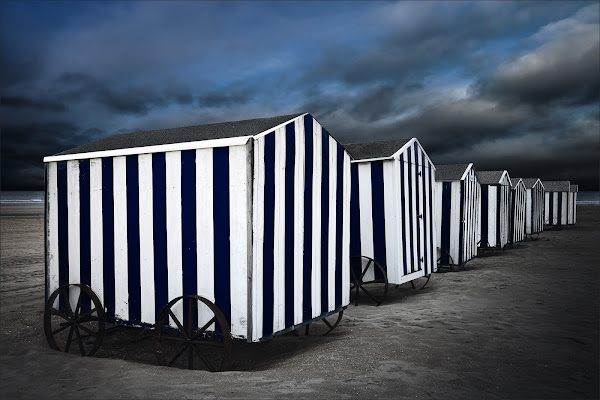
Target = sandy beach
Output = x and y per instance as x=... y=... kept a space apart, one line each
x=522 y=323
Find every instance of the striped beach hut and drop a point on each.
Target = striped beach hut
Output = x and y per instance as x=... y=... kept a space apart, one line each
x=556 y=199
x=534 y=210
x=392 y=208
x=572 y=201
x=518 y=205
x=252 y=215
x=457 y=205
x=495 y=208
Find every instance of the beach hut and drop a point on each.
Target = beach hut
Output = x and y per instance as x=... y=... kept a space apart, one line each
x=392 y=212
x=518 y=205
x=457 y=205
x=556 y=200
x=495 y=208
x=572 y=201
x=534 y=209
x=251 y=215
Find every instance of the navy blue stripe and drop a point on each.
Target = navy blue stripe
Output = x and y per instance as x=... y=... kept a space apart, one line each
x=85 y=270
x=410 y=212
x=550 y=208
x=356 y=264
x=484 y=216
x=221 y=228
x=108 y=238
x=417 y=207
x=559 y=213
x=446 y=212
x=324 y=221
x=63 y=227
x=188 y=228
x=378 y=216
x=269 y=240
x=339 y=226
x=431 y=249
x=308 y=161
x=425 y=219
x=159 y=217
x=133 y=238
x=403 y=210
x=290 y=147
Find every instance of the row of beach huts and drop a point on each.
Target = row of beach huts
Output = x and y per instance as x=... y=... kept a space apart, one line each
x=269 y=218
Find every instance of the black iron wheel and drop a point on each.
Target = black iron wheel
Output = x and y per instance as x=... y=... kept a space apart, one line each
x=194 y=343
x=427 y=278
x=329 y=323
x=357 y=275
x=74 y=313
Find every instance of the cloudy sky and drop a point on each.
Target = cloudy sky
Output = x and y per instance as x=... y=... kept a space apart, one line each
x=506 y=85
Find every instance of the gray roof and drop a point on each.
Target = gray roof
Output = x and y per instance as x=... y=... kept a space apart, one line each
x=450 y=172
x=574 y=188
x=556 y=186
x=195 y=133
x=515 y=182
x=529 y=182
x=489 y=177
x=367 y=150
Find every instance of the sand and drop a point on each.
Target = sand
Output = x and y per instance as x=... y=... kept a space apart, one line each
x=522 y=323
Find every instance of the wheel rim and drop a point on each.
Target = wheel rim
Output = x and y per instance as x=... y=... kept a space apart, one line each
x=358 y=284
x=193 y=343
x=81 y=321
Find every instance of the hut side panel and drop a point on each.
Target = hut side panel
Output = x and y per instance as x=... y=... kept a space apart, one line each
x=556 y=208
x=471 y=190
x=518 y=208
x=495 y=212
x=301 y=236
x=144 y=229
x=534 y=217
x=392 y=214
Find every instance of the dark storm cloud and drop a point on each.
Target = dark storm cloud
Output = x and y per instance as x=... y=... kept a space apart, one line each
x=38 y=104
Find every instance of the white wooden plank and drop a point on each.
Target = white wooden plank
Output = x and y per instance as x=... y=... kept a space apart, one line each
x=365 y=201
x=316 y=220
x=279 y=233
x=73 y=223
x=146 y=226
x=174 y=238
x=427 y=222
x=52 y=229
x=414 y=211
x=407 y=210
x=120 y=238
x=238 y=248
x=331 y=240
x=258 y=238
x=299 y=177
x=455 y=221
x=96 y=230
x=492 y=207
x=346 y=232
x=391 y=206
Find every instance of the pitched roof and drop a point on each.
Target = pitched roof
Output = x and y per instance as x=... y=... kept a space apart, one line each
x=529 y=182
x=556 y=186
x=450 y=172
x=195 y=133
x=367 y=150
x=489 y=177
x=515 y=182
x=574 y=188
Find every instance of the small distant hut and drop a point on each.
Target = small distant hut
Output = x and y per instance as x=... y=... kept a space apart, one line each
x=457 y=204
x=495 y=208
x=556 y=202
x=572 y=200
x=391 y=209
x=534 y=210
x=518 y=203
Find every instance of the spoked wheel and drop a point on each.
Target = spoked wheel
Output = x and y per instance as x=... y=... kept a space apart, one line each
x=202 y=340
x=439 y=263
x=358 y=274
x=74 y=314
x=331 y=325
x=428 y=277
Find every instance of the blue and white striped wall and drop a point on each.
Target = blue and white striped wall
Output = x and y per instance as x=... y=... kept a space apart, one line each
x=518 y=206
x=457 y=205
x=572 y=205
x=232 y=220
x=392 y=213
x=495 y=214
x=556 y=208
x=534 y=216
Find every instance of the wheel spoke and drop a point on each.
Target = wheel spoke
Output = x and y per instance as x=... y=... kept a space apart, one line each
x=181 y=328
x=54 y=311
x=83 y=317
x=204 y=328
x=91 y=332
x=190 y=357
x=365 y=270
x=78 y=306
x=208 y=343
x=190 y=318
x=177 y=355
x=204 y=359
x=66 y=296
x=370 y=295
x=69 y=339
x=79 y=341
x=60 y=329
x=327 y=323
